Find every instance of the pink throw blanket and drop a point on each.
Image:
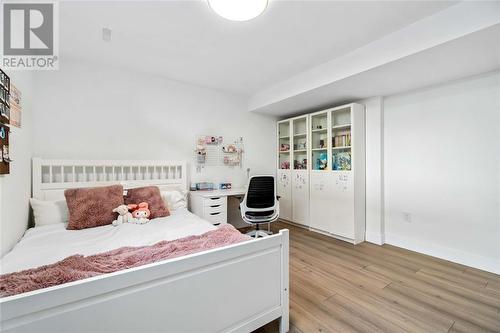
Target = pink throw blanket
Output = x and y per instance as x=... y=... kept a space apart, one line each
x=78 y=267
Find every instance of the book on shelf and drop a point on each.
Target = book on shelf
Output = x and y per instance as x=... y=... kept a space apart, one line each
x=342 y=139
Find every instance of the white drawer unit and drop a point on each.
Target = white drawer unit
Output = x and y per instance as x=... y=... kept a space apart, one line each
x=212 y=208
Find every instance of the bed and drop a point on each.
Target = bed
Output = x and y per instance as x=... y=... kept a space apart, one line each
x=209 y=291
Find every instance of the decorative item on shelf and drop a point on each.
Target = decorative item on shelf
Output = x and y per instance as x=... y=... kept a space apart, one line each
x=230 y=149
x=4 y=80
x=341 y=161
x=231 y=161
x=213 y=140
x=4 y=150
x=5 y=154
x=301 y=145
x=4 y=112
x=321 y=143
x=319 y=127
x=284 y=147
x=204 y=186
x=285 y=165
x=300 y=165
x=201 y=153
x=225 y=186
x=322 y=161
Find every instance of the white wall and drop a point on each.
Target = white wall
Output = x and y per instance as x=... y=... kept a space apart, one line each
x=374 y=170
x=86 y=111
x=442 y=166
x=15 y=189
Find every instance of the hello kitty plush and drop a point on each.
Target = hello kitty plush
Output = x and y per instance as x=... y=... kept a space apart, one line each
x=140 y=213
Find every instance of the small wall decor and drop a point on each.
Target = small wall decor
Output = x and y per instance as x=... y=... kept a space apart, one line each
x=15 y=106
x=212 y=150
x=5 y=117
x=4 y=150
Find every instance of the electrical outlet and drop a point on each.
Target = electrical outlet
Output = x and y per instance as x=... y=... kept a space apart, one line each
x=407 y=217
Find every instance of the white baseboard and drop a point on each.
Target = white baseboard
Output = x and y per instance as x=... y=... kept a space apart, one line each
x=374 y=238
x=469 y=259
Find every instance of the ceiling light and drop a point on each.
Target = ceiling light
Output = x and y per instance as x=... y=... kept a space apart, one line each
x=238 y=10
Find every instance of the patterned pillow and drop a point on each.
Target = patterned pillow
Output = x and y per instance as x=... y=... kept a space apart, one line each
x=92 y=207
x=151 y=195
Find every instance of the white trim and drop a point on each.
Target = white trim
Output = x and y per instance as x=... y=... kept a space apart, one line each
x=465 y=258
x=374 y=238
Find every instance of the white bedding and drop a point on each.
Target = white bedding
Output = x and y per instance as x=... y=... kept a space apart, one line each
x=51 y=243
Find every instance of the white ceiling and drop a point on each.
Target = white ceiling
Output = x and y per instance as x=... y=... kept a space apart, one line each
x=185 y=41
x=473 y=54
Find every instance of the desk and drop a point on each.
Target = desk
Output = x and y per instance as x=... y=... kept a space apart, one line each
x=212 y=205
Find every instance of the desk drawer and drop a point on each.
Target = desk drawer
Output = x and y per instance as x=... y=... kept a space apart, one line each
x=214 y=209
x=214 y=201
x=216 y=218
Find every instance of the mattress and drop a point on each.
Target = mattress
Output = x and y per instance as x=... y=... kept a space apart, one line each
x=49 y=244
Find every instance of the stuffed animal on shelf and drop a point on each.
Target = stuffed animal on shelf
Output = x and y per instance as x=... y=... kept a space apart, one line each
x=140 y=213
x=124 y=216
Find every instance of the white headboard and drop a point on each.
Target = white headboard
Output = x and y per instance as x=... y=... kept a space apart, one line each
x=52 y=177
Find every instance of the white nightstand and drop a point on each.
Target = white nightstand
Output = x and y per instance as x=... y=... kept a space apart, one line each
x=212 y=205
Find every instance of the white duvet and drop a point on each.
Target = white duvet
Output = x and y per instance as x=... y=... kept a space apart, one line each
x=51 y=243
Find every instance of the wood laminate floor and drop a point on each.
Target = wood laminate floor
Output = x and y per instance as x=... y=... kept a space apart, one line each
x=338 y=287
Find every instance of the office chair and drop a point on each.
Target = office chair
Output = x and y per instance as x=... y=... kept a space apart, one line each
x=260 y=204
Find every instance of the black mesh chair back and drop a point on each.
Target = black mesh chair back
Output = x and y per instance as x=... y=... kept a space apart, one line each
x=260 y=204
x=260 y=193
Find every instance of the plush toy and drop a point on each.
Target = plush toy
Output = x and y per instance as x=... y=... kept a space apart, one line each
x=140 y=213
x=124 y=216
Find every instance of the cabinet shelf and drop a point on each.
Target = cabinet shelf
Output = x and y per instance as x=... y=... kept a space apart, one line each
x=341 y=126
x=299 y=135
x=300 y=151
x=342 y=147
x=319 y=130
x=284 y=137
x=317 y=149
x=284 y=151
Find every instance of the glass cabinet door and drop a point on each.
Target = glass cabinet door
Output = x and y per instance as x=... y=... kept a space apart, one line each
x=341 y=139
x=284 y=145
x=319 y=141
x=300 y=143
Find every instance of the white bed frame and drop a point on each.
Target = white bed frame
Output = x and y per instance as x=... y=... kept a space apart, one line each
x=210 y=291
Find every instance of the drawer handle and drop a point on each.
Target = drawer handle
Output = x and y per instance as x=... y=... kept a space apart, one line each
x=215 y=213
x=214 y=206
x=215 y=198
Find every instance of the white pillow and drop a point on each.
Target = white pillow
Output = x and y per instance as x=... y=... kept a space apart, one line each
x=175 y=199
x=49 y=212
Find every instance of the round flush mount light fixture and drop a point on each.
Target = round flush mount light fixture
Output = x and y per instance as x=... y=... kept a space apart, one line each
x=238 y=10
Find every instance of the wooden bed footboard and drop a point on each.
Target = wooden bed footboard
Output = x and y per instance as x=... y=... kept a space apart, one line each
x=237 y=288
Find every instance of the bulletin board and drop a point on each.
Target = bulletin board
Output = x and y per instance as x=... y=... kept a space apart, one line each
x=216 y=150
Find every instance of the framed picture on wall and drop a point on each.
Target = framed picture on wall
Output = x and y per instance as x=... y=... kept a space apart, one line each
x=15 y=106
